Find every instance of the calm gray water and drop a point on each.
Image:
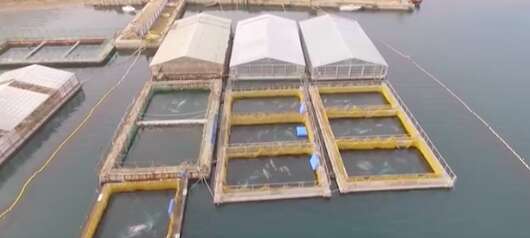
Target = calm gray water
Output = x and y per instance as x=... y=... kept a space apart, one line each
x=478 y=47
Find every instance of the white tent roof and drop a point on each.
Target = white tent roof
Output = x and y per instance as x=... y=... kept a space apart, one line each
x=330 y=39
x=38 y=75
x=200 y=36
x=267 y=36
x=16 y=105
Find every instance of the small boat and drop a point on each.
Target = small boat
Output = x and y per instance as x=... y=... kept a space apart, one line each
x=128 y=9
x=350 y=8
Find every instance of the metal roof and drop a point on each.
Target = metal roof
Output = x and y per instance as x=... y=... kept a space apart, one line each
x=38 y=75
x=267 y=36
x=330 y=39
x=202 y=36
x=16 y=105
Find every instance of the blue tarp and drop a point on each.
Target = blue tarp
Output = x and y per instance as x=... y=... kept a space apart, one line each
x=170 y=207
x=314 y=161
x=301 y=131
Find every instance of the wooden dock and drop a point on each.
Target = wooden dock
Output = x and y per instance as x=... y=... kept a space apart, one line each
x=150 y=25
x=399 y=5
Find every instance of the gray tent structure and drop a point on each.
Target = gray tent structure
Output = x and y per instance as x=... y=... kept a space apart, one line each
x=195 y=47
x=267 y=47
x=338 y=48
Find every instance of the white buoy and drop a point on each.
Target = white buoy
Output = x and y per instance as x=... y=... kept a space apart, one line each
x=128 y=8
x=350 y=8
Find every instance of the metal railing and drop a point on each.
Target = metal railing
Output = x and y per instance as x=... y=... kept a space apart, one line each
x=427 y=139
x=267 y=71
x=351 y=71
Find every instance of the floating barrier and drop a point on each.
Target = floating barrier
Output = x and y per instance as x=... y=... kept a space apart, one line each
x=175 y=210
x=438 y=175
x=114 y=169
x=225 y=192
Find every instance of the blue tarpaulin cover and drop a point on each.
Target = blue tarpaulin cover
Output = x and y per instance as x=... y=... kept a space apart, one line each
x=314 y=161
x=301 y=131
x=170 y=208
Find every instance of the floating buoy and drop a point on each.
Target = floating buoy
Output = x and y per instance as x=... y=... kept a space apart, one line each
x=128 y=8
x=350 y=8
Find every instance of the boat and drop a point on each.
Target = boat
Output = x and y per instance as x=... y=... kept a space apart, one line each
x=350 y=8
x=128 y=8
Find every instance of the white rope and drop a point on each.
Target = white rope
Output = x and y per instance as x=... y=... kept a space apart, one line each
x=468 y=108
x=207 y=186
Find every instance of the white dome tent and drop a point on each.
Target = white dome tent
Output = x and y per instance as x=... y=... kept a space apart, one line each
x=267 y=47
x=196 y=46
x=338 y=48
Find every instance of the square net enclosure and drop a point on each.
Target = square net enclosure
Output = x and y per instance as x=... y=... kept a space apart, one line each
x=164 y=146
x=384 y=162
x=244 y=134
x=175 y=104
x=266 y=104
x=269 y=170
x=353 y=99
x=136 y=214
x=367 y=126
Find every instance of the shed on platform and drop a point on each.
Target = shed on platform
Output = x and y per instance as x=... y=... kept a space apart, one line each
x=338 y=48
x=195 y=47
x=267 y=47
x=28 y=97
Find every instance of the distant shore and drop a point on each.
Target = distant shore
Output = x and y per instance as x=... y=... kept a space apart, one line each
x=29 y=4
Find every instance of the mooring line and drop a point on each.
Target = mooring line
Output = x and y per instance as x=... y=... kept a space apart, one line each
x=459 y=99
x=28 y=181
x=207 y=186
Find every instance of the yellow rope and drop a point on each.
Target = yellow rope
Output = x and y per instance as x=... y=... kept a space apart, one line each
x=24 y=188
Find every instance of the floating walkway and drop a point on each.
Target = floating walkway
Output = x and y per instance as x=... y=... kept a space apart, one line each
x=95 y=223
x=150 y=25
x=259 y=145
x=29 y=96
x=402 y=5
x=170 y=130
x=55 y=52
x=386 y=150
